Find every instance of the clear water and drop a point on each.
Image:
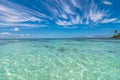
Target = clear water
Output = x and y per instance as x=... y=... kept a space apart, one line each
x=60 y=59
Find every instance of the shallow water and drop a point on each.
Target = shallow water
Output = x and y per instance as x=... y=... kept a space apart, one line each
x=89 y=59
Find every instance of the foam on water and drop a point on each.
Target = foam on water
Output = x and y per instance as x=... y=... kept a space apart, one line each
x=59 y=59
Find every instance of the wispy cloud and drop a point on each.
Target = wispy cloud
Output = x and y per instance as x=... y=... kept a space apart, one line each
x=107 y=2
x=15 y=29
x=4 y=33
x=24 y=35
x=5 y=24
x=75 y=3
x=60 y=12
x=12 y=13
x=8 y=14
x=89 y=13
x=109 y=20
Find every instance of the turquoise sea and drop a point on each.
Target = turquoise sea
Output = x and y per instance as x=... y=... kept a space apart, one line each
x=60 y=59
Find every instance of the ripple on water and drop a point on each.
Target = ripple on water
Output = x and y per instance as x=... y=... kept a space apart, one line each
x=48 y=61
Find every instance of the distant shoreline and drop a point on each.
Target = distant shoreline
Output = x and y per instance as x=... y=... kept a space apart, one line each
x=54 y=38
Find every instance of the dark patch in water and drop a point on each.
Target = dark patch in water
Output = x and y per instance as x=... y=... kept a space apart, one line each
x=109 y=47
x=49 y=47
x=109 y=57
x=74 y=44
x=62 y=49
x=111 y=51
x=35 y=45
x=75 y=50
x=2 y=44
x=69 y=44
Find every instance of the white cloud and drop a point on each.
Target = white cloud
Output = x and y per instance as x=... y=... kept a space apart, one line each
x=4 y=33
x=11 y=13
x=7 y=34
x=73 y=21
x=19 y=24
x=66 y=7
x=8 y=14
x=74 y=2
x=62 y=23
x=91 y=14
x=24 y=35
x=27 y=34
x=62 y=12
x=107 y=2
x=68 y=10
x=96 y=15
x=109 y=20
x=64 y=16
x=15 y=29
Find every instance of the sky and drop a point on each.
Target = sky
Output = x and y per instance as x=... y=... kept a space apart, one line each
x=59 y=18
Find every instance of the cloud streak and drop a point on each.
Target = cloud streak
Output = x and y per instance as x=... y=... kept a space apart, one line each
x=60 y=12
x=4 y=33
x=78 y=12
x=107 y=2
x=17 y=15
x=109 y=20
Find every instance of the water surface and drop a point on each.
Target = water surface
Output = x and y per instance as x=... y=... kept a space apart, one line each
x=87 y=59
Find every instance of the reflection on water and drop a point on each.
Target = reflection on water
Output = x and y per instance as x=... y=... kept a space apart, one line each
x=59 y=59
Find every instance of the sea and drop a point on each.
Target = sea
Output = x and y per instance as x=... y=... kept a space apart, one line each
x=59 y=59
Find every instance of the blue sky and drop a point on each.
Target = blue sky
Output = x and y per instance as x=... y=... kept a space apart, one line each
x=58 y=18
